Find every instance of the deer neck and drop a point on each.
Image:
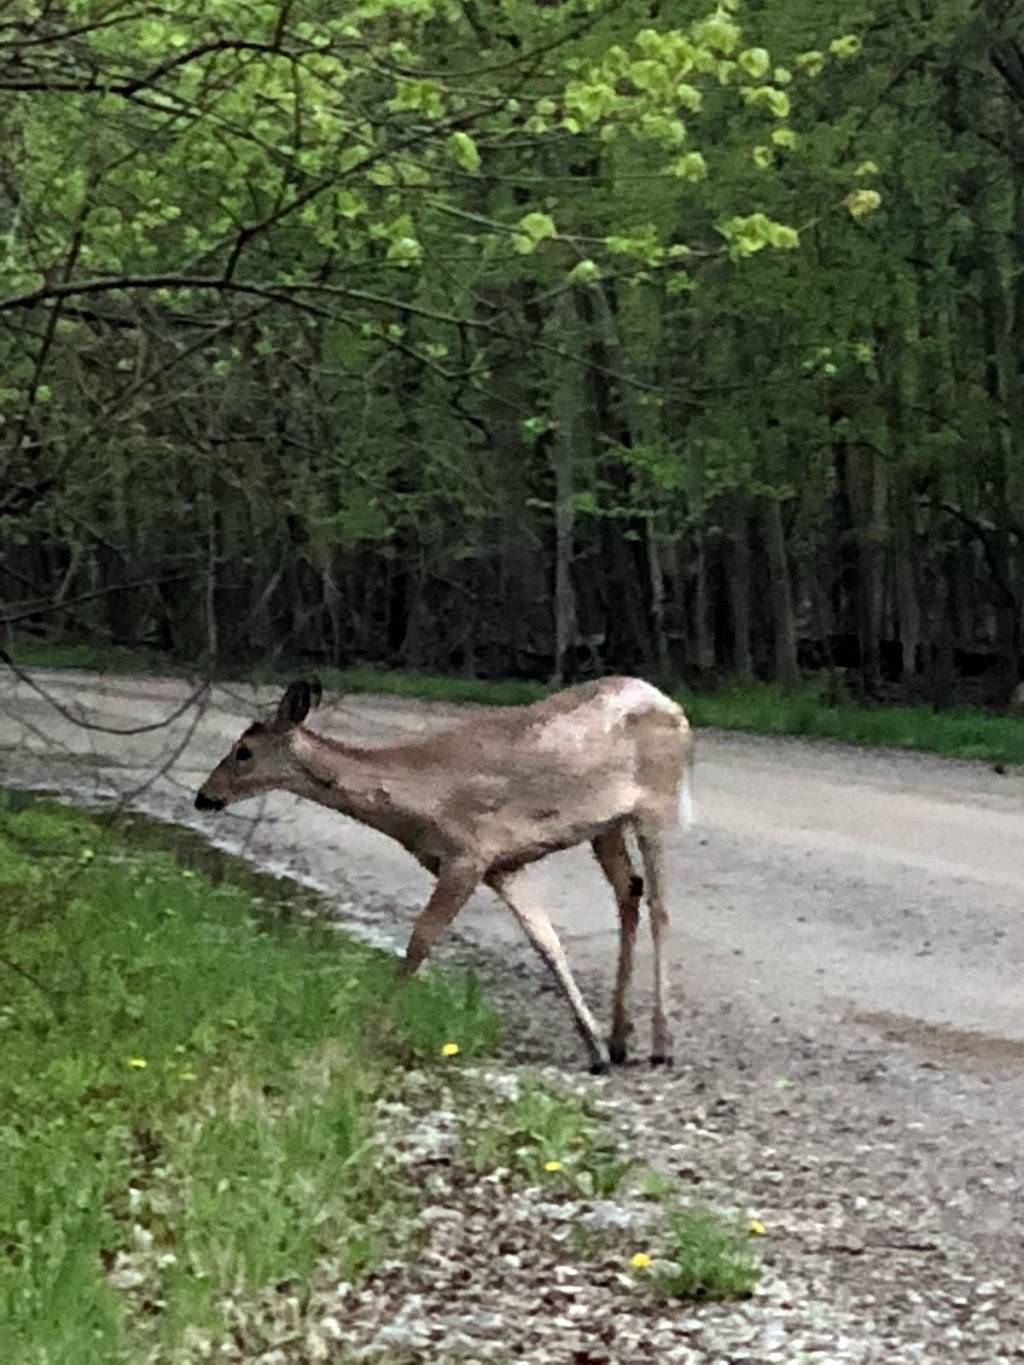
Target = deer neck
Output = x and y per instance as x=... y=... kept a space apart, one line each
x=358 y=782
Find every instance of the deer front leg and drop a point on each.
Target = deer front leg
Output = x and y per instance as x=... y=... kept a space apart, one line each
x=456 y=882
x=541 y=933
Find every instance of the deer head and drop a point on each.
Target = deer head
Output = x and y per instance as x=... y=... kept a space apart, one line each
x=263 y=758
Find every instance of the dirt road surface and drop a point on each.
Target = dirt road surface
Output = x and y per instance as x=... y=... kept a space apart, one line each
x=848 y=949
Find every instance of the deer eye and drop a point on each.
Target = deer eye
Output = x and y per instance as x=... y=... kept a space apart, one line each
x=243 y=753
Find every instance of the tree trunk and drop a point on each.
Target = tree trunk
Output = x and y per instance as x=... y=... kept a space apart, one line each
x=905 y=387
x=906 y=571
x=739 y=585
x=787 y=671
x=566 y=408
x=702 y=650
x=1007 y=389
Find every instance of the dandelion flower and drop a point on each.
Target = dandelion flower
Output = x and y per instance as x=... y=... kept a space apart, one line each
x=450 y=1050
x=641 y=1261
x=756 y=1228
x=552 y=1166
x=139 y=1063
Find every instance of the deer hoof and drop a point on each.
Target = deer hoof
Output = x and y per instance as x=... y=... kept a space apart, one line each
x=661 y=1059
x=599 y=1068
x=617 y=1053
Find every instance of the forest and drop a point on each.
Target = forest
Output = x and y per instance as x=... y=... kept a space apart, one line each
x=519 y=338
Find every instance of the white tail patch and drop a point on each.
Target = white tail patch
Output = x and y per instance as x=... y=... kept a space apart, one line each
x=687 y=814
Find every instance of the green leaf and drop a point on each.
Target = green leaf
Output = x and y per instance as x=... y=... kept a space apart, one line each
x=718 y=32
x=532 y=427
x=783 y=238
x=849 y=45
x=755 y=62
x=811 y=63
x=350 y=205
x=421 y=97
x=778 y=101
x=750 y=234
x=464 y=152
x=592 y=100
x=406 y=251
x=690 y=167
x=862 y=202
x=770 y=97
x=585 y=272
x=688 y=97
x=535 y=227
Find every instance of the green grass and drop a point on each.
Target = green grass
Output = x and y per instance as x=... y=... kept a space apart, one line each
x=549 y=1138
x=706 y=1257
x=188 y=1074
x=91 y=658
x=766 y=710
x=756 y=708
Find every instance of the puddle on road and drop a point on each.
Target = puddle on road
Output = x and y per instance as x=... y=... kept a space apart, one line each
x=961 y=1047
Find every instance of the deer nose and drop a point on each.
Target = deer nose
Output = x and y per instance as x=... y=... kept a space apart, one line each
x=204 y=802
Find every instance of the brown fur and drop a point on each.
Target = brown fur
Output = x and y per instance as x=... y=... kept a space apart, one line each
x=481 y=800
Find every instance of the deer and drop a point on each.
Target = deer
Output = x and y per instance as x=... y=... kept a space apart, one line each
x=478 y=801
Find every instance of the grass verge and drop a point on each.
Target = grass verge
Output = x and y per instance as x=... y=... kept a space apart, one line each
x=188 y=1084
x=759 y=708
x=755 y=708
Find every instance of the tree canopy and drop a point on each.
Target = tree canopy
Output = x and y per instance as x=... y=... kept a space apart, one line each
x=518 y=337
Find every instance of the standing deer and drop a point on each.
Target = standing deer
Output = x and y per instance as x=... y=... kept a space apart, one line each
x=480 y=800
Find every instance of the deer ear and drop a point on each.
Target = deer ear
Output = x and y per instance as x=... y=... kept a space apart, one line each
x=293 y=707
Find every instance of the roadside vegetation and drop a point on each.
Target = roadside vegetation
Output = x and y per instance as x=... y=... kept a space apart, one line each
x=550 y=1139
x=807 y=711
x=189 y=1073
x=194 y=1076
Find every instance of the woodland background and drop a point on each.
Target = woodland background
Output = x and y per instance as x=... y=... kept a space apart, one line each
x=519 y=339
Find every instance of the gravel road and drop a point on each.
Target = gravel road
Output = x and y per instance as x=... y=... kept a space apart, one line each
x=848 y=948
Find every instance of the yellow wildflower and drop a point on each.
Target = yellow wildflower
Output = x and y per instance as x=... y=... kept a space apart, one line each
x=450 y=1050
x=552 y=1166
x=756 y=1228
x=640 y=1261
x=139 y=1063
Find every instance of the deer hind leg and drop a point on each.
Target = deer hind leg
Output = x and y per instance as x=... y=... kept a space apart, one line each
x=541 y=933
x=653 y=854
x=456 y=882
x=613 y=855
